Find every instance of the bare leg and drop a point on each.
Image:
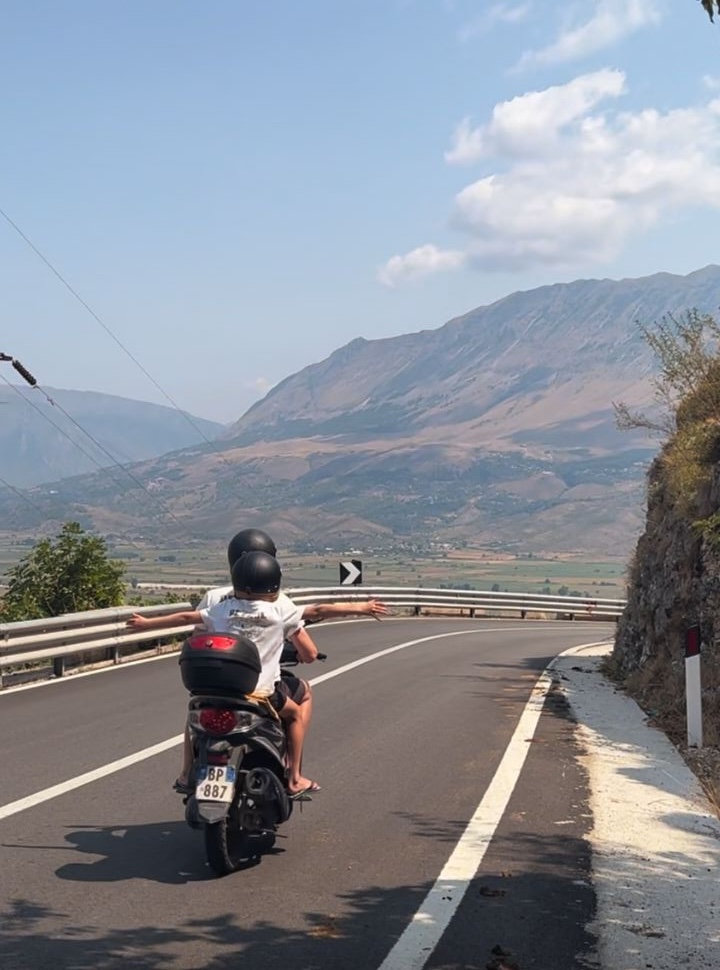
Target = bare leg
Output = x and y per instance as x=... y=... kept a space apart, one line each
x=295 y=726
x=306 y=708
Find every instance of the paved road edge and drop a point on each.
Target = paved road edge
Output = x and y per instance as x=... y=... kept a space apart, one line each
x=655 y=839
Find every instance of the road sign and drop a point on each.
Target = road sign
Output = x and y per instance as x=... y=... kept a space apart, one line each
x=351 y=573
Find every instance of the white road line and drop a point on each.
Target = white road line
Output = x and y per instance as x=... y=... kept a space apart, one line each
x=111 y=668
x=13 y=808
x=423 y=933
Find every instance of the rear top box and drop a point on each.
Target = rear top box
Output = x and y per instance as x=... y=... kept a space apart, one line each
x=219 y=663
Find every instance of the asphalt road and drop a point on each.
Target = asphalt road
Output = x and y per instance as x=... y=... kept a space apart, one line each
x=406 y=747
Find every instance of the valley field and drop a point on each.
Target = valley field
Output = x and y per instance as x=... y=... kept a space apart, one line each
x=205 y=565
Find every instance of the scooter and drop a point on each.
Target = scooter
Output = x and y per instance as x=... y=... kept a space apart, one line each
x=240 y=771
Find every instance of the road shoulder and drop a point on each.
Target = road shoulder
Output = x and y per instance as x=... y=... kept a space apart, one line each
x=655 y=839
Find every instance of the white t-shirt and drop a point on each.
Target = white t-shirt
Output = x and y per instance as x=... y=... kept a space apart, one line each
x=266 y=624
x=213 y=596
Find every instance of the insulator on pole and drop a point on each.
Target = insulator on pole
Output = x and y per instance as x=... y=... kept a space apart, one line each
x=24 y=372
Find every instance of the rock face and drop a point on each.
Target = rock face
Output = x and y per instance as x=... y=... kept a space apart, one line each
x=674 y=583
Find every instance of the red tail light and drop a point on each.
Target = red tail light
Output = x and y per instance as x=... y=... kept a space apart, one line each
x=217 y=720
x=211 y=641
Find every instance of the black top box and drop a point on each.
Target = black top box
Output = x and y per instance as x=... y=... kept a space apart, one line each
x=219 y=663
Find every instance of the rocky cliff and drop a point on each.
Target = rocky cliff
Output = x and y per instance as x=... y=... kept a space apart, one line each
x=674 y=579
x=674 y=584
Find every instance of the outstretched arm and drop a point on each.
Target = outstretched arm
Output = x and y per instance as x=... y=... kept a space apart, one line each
x=137 y=622
x=305 y=646
x=323 y=611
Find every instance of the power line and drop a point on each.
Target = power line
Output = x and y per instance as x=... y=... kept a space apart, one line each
x=22 y=495
x=102 y=323
x=117 y=341
x=57 y=427
x=30 y=379
x=72 y=441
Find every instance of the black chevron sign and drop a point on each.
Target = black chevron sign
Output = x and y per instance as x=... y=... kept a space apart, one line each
x=351 y=573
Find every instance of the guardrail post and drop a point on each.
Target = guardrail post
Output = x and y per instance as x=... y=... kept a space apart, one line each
x=59 y=666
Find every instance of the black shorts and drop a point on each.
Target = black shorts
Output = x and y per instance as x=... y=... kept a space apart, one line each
x=288 y=686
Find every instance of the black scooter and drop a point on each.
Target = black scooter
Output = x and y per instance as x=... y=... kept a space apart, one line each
x=239 y=772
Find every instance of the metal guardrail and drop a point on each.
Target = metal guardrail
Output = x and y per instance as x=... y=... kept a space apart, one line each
x=79 y=634
x=60 y=637
x=476 y=601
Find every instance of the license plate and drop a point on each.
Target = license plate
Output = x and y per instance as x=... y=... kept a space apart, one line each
x=215 y=783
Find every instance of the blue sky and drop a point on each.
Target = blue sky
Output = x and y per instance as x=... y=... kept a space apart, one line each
x=237 y=189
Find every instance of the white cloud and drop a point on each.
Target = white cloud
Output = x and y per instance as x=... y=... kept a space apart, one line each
x=610 y=178
x=612 y=21
x=422 y=261
x=533 y=121
x=499 y=13
x=572 y=178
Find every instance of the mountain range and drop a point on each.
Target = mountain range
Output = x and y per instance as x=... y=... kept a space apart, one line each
x=43 y=442
x=496 y=429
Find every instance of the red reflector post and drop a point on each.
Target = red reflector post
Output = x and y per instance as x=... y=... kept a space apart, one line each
x=692 y=641
x=217 y=720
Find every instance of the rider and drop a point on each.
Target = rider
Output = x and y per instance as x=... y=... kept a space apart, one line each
x=255 y=540
x=254 y=609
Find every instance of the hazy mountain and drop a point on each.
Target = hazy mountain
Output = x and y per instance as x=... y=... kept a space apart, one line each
x=39 y=443
x=496 y=428
x=530 y=369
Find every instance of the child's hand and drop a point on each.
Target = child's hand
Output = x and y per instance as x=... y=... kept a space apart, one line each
x=137 y=622
x=376 y=608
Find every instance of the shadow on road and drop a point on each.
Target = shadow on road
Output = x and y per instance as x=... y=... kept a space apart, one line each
x=148 y=851
x=357 y=936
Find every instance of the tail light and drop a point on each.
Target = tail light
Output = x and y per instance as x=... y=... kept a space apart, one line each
x=218 y=720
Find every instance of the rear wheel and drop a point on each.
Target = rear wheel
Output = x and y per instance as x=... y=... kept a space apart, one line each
x=226 y=846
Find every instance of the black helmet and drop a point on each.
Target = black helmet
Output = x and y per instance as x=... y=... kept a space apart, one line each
x=256 y=572
x=249 y=540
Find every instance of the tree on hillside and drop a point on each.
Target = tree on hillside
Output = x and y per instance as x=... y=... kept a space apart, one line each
x=687 y=390
x=63 y=575
x=686 y=349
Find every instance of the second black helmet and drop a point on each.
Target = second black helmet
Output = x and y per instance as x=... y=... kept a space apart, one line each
x=249 y=540
x=256 y=573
